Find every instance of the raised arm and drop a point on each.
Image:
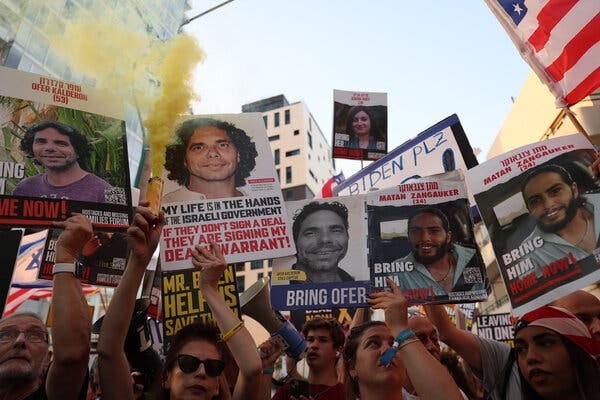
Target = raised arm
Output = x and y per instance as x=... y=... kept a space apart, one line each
x=143 y=236
x=242 y=346
x=461 y=341
x=71 y=327
x=429 y=377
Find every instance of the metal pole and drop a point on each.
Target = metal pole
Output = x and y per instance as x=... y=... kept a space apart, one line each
x=187 y=21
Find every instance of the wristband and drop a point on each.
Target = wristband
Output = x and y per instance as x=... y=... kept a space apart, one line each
x=63 y=267
x=390 y=353
x=268 y=371
x=232 y=332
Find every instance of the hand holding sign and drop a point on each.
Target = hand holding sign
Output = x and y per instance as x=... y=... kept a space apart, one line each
x=77 y=232
x=211 y=265
x=394 y=304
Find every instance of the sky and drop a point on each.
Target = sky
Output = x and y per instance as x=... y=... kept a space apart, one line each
x=433 y=58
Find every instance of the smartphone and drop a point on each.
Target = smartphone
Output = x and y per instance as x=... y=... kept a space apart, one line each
x=299 y=388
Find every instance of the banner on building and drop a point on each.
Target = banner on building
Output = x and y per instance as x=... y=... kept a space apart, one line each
x=441 y=148
x=421 y=236
x=360 y=122
x=330 y=268
x=64 y=150
x=540 y=205
x=221 y=186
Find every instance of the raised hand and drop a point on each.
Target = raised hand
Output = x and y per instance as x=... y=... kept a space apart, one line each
x=394 y=305
x=77 y=231
x=144 y=233
x=211 y=264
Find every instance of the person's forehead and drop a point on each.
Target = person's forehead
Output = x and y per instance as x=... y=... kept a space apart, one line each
x=200 y=348
x=529 y=333
x=319 y=332
x=208 y=134
x=23 y=321
x=322 y=218
x=380 y=331
x=52 y=133
x=426 y=219
x=361 y=114
x=421 y=325
x=579 y=302
x=543 y=181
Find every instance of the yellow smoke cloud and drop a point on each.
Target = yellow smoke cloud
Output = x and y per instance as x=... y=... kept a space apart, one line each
x=155 y=75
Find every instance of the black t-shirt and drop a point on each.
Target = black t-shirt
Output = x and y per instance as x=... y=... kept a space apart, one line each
x=40 y=394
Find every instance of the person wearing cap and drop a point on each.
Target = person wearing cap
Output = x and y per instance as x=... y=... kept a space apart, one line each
x=557 y=356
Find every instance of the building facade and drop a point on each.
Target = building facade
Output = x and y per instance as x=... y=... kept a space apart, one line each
x=302 y=159
x=24 y=42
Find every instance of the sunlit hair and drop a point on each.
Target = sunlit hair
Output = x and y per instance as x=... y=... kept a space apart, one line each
x=350 y=350
x=585 y=370
x=195 y=331
x=78 y=140
x=335 y=329
x=314 y=206
x=175 y=153
x=375 y=131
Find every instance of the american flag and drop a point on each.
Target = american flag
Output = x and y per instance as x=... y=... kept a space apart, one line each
x=25 y=285
x=560 y=39
x=327 y=189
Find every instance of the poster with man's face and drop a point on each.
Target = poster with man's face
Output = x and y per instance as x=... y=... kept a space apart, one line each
x=539 y=204
x=421 y=236
x=63 y=149
x=220 y=185
x=359 y=125
x=329 y=269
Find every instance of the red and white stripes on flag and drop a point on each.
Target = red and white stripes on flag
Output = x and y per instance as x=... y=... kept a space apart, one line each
x=327 y=189
x=560 y=39
x=17 y=296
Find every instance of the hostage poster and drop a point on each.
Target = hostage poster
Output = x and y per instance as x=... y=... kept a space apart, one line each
x=330 y=268
x=539 y=204
x=63 y=150
x=221 y=186
x=421 y=236
x=441 y=148
x=359 y=125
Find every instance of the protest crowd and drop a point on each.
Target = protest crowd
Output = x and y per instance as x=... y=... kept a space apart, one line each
x=367 y=287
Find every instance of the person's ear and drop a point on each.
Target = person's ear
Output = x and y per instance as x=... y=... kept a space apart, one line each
x=575 y=190
x=449 y=237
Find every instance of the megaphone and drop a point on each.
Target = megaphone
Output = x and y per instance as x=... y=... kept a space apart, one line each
x=255 y=302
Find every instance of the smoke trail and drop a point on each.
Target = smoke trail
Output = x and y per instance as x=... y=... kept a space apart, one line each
x=141 y=69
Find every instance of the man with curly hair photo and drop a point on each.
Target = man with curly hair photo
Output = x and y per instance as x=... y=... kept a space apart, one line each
x=210 y=159
x=63 y=151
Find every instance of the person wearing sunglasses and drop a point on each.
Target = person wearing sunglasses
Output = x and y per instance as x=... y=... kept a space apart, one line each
x=198 y=354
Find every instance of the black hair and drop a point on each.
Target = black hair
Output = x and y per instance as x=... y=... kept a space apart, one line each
x=197 y=330
x=374 y=132
x=547 y=168
x=350 y=349
x=314 y=206
x=78 y=140
x=434 y=211
x=335 y=329
x=175 y=152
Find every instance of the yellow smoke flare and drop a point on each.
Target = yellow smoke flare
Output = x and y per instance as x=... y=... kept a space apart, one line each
x=154 y=75
x=174 y=75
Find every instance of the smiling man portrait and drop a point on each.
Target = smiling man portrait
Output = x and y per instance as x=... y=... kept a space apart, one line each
x=210 y=159
x=63 y=152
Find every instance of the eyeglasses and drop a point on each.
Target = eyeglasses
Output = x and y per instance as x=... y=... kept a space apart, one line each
x=189 y=364
x=32 y=336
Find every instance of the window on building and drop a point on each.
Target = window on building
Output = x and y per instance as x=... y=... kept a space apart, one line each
x=289 y=195
x=276 y=121
x=266 y=120
x=313 y=175
x=296 y=132
x=287 y=117
x=239 y=267
x=309 y=138
x=278 y=175
x=256 y=264
x=241 y=283
x=273 y=138
x=292 y=153
x=276 y=156
x=270 y=263
x=288 y=174
x=309 y=124
x=259 y=276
